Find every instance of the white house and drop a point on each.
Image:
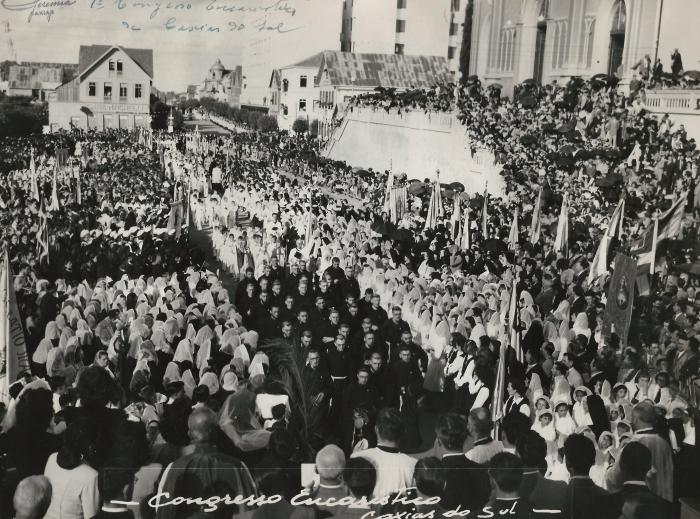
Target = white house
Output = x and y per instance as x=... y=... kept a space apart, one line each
x=112 y=90
x=294 y=92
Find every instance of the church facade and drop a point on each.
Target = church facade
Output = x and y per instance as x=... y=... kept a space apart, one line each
x=553 y=40
x=222 y=84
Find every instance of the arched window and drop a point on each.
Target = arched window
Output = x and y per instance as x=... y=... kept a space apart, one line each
x=590 y=33
x=555 y=45
x=285 y=85
x=563 y=43
x=543 y=13
x=619 y=17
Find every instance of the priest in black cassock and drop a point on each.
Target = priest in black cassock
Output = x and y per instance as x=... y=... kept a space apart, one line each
x=406 y=384
x=317 y=390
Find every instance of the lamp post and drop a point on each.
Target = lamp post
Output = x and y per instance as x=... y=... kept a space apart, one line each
x=171 y=121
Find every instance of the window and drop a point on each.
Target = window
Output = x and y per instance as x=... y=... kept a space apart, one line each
x=398 y=49
x=563 y=54
x=285 y=110
x=92 y=89
x=302 y=105
x=586 y=56
x=111 y=65
x=450 y=52
x=285 y=85
x=455 y=6
x=400 y=25
x=555 y=45
x=120 y=67
x=108 y=90
x=137 y=90
x=453 y=29
x=123 y=90
x=589 y=47
x=619 y=17
x=302 y=81
x=401 y=4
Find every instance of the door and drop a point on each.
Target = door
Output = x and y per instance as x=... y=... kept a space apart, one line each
x=617 y=46
x=539 y=52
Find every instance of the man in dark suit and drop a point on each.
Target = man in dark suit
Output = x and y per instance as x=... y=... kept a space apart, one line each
x=582 y=497
x=635 y=463
x=578 y=305
x=459 y=472
x=543 y=494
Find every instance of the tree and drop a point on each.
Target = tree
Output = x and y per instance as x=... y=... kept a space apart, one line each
x=21 y=116
x=313 y=128
x=267 y=123
x=159 y=113
x=301 y=125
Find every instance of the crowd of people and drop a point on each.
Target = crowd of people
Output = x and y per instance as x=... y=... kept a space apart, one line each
x=338 y=357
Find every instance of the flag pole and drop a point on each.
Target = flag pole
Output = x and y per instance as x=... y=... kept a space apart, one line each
x=653 y=246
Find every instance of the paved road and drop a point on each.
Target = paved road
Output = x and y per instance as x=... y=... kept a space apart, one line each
x=202 y=240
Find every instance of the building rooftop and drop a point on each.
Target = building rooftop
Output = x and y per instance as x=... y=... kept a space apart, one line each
x=89 y=54
x=311 y=62
x=386 y=70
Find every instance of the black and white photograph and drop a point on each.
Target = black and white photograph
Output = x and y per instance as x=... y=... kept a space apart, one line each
x=349 y=259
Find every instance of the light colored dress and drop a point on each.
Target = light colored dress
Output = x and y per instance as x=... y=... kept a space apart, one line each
x=74 y=492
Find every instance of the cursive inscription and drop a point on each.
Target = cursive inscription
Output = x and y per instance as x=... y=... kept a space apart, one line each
x=176 y=16
x=37 y=8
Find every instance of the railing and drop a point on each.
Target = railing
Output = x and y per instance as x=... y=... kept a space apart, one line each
x=680 y=101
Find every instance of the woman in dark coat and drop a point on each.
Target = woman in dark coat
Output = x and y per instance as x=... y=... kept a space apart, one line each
x=598 y=414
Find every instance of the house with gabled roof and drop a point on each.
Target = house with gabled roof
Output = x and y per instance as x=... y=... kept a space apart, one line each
x=111 y=90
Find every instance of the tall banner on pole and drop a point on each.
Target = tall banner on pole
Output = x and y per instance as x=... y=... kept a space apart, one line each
x=14 y=361
x=618 y=309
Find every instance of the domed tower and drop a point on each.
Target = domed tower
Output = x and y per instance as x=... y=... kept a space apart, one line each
x=216 y=72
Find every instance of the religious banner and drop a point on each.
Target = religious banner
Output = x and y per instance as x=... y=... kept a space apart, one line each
x=14 y=361
x=176 y=218
x=618 y=310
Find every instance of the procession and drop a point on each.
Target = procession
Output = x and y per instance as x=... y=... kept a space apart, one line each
x=220 y=319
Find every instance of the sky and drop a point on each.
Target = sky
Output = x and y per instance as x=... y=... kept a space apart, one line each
x=186 y=36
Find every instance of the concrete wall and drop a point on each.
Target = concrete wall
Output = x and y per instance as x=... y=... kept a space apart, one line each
x=414 y=143
x=682 y=105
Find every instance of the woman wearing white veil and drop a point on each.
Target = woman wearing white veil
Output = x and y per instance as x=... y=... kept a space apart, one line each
x=561 y=390
x=580 y=326
x=435 y=376
x=563 y=312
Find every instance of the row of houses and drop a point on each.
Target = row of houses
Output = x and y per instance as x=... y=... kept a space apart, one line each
x=319 y=87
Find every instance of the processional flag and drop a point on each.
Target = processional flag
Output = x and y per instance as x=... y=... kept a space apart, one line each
x=561 y=242
x=599 y=265
x=14 y=361
x=536 y=225
x=669 y=225
x=514 y=232
x=618 y=309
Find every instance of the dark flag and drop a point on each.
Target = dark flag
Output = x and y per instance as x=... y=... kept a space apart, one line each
x=176 y=218
x=618 y=309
